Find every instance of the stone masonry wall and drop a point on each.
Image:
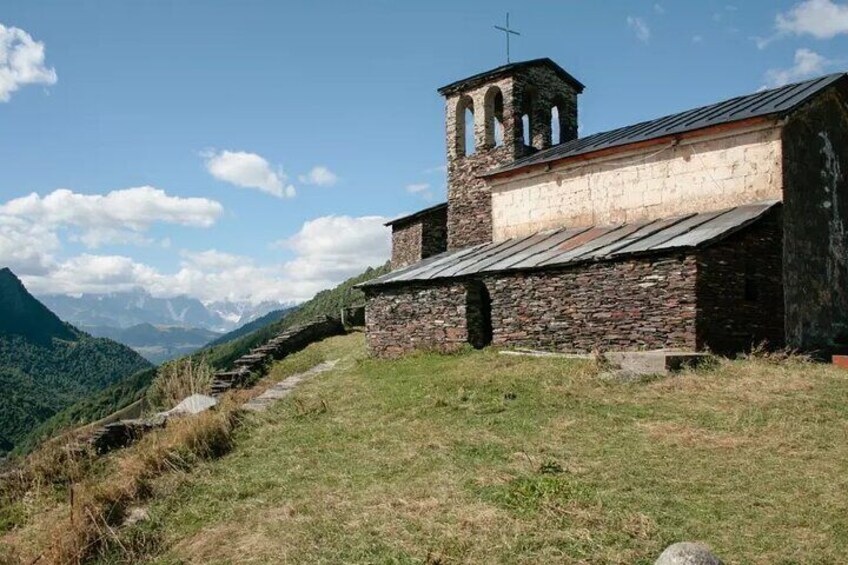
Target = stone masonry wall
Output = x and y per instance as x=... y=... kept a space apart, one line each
x=694 y=176
x=432 y=316
x=816 y=224
x=421 y=237
x=740 y=289
x=434 y=233
x=469 y=199
x=406 y=244
x=636 y=304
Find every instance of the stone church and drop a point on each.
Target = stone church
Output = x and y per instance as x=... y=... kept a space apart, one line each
x=717 y=228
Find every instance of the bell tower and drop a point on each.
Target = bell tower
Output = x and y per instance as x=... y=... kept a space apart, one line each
x=492 y=119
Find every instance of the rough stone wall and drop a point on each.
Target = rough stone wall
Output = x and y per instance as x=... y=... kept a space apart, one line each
x=697 y=175
x=434 y=233
x=815 y=164
x=421 y=237
x=469 y=199
x=636 y=304
x=740 y=289
x=406 y=244
x=431 y=316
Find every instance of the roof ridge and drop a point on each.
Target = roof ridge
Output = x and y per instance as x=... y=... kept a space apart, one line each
x=773 y=101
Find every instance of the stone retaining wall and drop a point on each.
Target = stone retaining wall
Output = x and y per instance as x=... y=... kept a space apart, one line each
x=246 y=369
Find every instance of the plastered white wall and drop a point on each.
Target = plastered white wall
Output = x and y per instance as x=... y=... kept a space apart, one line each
x=697 y=174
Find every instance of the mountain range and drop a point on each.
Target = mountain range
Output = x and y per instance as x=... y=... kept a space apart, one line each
x=127 y=309
x=47 y=364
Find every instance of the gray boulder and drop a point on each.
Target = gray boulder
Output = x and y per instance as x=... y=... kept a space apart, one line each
x=687 y=553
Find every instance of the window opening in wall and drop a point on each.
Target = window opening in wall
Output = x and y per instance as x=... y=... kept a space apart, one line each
x=555 y=133
x=469 y=130
x=525 y=129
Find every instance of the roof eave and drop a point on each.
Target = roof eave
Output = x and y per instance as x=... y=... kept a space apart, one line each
x=607 y=151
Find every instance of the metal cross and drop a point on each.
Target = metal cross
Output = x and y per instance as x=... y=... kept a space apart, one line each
x=507 y=32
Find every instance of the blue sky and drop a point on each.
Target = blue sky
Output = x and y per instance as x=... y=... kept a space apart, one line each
x=221 y=110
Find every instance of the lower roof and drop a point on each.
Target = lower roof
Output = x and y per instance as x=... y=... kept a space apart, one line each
x=569 y=246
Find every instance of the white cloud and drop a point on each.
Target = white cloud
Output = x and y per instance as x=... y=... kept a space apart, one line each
x=823 y=19
x=327 y=251
x=333 y=248
x=248 y=170
x=697 y=39
x=319 y=176
x=659 y=9
x=807 y=63
x=640 y=28
x=438 y=169
x=421 y=189
x=117 y=217
x=26 y=247
x=21 y=62
x=417 y=188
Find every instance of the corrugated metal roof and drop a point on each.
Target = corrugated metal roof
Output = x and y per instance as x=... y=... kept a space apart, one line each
x=503 y=70
x=777 y=101
x=571 y=246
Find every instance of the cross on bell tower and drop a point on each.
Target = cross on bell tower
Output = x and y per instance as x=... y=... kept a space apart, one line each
x=507 y=32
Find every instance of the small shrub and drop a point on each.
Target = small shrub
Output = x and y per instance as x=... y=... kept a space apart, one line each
x=178 y=380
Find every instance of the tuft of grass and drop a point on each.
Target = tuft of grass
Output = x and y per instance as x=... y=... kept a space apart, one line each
x=178 y=380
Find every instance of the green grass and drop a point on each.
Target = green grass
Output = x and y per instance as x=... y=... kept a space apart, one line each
x=486 y=458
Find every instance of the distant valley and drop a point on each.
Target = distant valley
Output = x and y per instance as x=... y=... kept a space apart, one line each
x=159 y=329
x=157 y=344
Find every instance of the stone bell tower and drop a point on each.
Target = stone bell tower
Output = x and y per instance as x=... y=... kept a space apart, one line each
x=493 y=119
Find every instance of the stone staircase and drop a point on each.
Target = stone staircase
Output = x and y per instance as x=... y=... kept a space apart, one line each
x=246 y=370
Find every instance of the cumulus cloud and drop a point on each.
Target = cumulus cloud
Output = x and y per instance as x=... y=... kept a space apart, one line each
x=248 y=170
x=823 y=19
x=640 y=28
x=117 y=217
x=21 y=62
x=327 y=250
x=26 y=247
x=807 y=63
x=333 y=248
x=319 y=176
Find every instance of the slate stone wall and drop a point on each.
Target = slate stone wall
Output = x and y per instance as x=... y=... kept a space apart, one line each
x=726 y=297
x=420 y=237
x=416 y=317
x=644 y=303
x=740 y=289
x=815 y=186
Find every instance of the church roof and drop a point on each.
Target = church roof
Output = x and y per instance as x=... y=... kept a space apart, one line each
x=510 y=68
x=775 y=102
x=416 y=215
x=570 y=246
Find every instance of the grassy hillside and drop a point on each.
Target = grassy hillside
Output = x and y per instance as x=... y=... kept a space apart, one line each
x=325 y=303
x=100 y=404
x=485 y=458
x=46 y=365
x=90 y=409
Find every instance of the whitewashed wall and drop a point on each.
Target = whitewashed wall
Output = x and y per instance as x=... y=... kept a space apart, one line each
x=698 y=174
